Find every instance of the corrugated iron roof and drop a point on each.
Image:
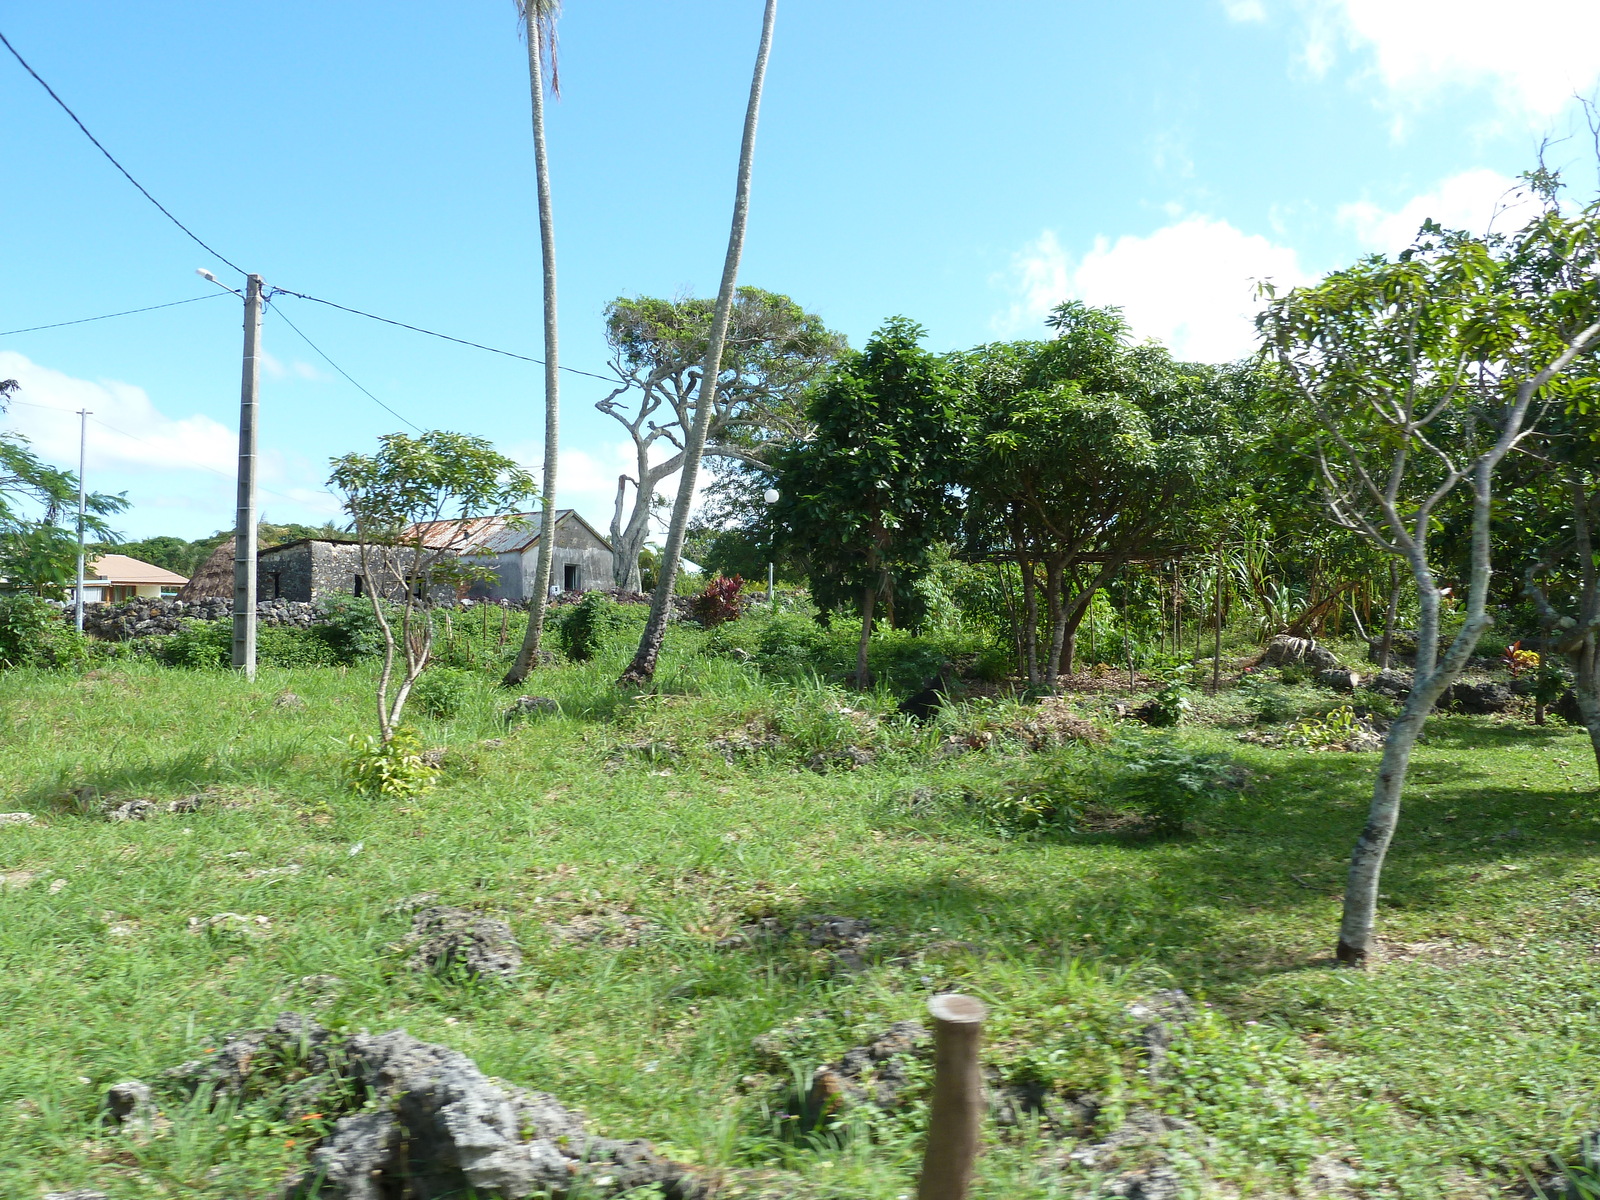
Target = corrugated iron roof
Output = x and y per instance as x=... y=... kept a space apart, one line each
x=505 y=533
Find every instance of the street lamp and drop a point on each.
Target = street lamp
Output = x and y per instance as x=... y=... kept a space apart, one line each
x=771 y=497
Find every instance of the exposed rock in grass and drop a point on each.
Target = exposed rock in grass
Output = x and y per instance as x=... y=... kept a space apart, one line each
x=849 y=939
x=1143 y=1128
x=750 y=740
x=133 y=810
x=850 y=758
x=1340 y=679
x=1284 y=650
x=129 y=1106
x=186 y=804
x=446 y=939
x=878 y=1073
x=530 y=706
x=612 y=930
x=230 y=925
x=18 y=818
x=407 y=905
x=1160 y=1018
x=78 y=1194
x=1476 y=698
x=287 y=699
x=290 y=1060
x=1394 y=684
x=1330 y=1175
x=16 y=880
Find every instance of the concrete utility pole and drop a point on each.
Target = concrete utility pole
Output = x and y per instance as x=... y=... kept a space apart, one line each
x=244 y=531
x=83 y=453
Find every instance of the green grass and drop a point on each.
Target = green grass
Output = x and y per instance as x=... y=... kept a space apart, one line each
x=1473 y=1050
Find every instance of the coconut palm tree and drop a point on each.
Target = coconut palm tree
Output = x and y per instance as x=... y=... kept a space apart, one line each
x=539 y=26
x=643 y=666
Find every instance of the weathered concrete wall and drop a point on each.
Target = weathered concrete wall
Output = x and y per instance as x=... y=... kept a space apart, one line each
x=311 y=570
x=576 y=548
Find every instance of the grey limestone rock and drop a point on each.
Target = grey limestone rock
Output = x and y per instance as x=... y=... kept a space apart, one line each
x=445 y=938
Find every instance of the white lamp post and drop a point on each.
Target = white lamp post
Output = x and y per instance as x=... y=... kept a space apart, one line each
x=771 y=497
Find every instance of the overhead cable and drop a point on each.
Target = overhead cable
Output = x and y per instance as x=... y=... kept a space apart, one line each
x=433 y=333
x=341 y=370
x=107 y=316
x=194 y=237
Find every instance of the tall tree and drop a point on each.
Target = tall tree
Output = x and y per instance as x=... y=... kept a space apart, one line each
x=864 y=500
x=539 y=26
x=773 y=351
x=1087 y=454
x=643 y=667
x=1420 y=375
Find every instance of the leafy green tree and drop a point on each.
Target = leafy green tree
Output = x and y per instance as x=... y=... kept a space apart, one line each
x=643 y=667
x=38 y=515
x=1421 y=375
x=863 y=501
x=1087 y=454
x=774 y=350
x=539 y=27
x=409 y=483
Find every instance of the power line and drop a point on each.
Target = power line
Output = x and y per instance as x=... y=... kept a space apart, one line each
x=194 y=237
x=342 y=371
x=433 y=333
x=107 y=316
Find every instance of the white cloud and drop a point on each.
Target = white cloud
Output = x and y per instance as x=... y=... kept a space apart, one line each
x=1190 y=284
x=276 y=368
x=1534 y=54
x=1245 y=10
x=126 y=429
x=1475 y=201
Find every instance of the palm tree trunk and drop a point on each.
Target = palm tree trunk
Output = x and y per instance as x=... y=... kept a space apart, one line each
x=528 y=655
x=863 y=673
x=643 y=667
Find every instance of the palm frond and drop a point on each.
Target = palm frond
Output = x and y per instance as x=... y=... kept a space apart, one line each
x=542 y=15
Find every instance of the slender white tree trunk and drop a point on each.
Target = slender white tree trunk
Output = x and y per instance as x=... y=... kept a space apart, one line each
x=643 y=667
x=528 y=655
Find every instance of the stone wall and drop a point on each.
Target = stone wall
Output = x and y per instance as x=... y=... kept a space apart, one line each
x=153 y=618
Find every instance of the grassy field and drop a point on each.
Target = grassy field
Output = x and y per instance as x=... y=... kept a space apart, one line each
x=1471 y=1051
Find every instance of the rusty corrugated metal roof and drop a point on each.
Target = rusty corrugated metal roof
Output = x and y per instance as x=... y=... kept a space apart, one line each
x=505 y=533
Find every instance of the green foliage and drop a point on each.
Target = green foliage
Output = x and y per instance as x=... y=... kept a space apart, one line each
x=1331 y=729
x=1171 y=703
x=392 y=770
x=442 y=692
x=33 y=634
x=1168 y=784
x=200 y=644
x=350 y=625
x=590 y=626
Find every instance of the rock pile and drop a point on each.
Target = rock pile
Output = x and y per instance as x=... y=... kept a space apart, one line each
x=421 y=1120
x=445 y=939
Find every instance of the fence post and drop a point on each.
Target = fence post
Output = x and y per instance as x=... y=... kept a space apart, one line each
x=958 y=1104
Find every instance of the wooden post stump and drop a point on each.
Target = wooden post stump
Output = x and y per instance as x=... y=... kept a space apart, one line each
x=957 y=1112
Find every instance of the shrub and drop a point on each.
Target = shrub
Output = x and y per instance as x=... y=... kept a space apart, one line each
x=32 y=634
x=590 y=625
x=718 y=603
x=1168 y=784
x=200 y=644
x=790 y=643
x=281 y=647
x=442 y=692
x=393 y=771
x=349 y=626
x=1171 y=704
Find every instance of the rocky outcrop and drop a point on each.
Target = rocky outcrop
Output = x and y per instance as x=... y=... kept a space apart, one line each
x=446 y=940
x=419 y=1120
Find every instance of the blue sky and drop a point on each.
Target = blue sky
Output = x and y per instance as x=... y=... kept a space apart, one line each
x=965 y=167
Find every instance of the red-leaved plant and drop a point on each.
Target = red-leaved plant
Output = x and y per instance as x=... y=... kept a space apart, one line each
x=718 y=603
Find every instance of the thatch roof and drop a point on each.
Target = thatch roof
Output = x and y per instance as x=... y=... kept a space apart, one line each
x=214 y=579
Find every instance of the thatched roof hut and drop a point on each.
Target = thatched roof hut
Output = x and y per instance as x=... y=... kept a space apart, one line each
x=214 y=578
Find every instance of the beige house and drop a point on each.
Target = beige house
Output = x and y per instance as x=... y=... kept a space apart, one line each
x=116 y=577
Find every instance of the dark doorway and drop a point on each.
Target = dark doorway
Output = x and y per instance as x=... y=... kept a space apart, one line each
x=569 y=577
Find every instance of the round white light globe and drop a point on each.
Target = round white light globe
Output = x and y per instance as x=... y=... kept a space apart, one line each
x=770 y=495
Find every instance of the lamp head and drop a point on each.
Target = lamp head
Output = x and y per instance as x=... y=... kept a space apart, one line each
x=770 y=495
x=205 y=274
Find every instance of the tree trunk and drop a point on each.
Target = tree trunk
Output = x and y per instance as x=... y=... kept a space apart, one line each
x=528 y=655
x=1057 y=616
x=1386 y=647
x=643 y=667
x=1030 y=621
x=869 y=595
x=1586 y=691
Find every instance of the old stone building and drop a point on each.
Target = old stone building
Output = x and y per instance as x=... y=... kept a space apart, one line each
x=309 y=569
x=509 y=546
